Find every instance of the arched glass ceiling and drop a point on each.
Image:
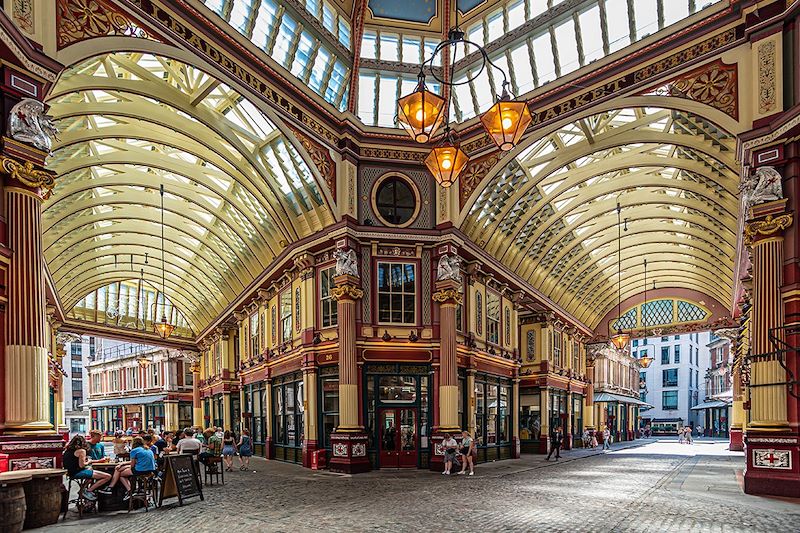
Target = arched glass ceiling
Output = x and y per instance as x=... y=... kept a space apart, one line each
x=130 y=304
x=550 y=215
x=237 y=192
x=534 y=41
x=311 y=51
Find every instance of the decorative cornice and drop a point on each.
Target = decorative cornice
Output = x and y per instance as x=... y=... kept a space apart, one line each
x=766 y=227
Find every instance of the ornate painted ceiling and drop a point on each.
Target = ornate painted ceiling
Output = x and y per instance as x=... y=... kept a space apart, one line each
x=237 y=192
x=551 y=217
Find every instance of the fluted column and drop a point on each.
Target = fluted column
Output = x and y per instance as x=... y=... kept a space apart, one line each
x=768 y=408
x=346 y=293
x=197 y=407
x=448 y=296
x=26 y=368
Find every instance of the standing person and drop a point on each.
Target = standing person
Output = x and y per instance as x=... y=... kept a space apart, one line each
x=96 y=449
x=468 y=452
x=586 y=438
x=78 y=466
x=556 y=438
x=680 y=435
x=594 y=440
x=220 y=433
x=606 y=439
x=228 y=450
x=450 y=446
x=687 y=434
x=245 y=450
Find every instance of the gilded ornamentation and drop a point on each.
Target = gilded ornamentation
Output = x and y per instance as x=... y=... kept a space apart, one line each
x=714 y=84
x=767 y=89
x=26 y=173
x=448 y=296
x=766 y=227
x=349 y=292
x=79 y=20
x=473 y=175
x=396 y=155
x=321 y=158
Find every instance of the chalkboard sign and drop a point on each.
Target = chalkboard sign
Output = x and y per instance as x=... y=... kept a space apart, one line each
x=181 y=478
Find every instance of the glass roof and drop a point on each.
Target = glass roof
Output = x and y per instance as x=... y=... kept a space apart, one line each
x=550 y=215
x=554 y=42
x=316 y=54
x=237 y=192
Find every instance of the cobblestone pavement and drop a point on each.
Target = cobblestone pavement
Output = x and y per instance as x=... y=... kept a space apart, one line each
x=650 y=486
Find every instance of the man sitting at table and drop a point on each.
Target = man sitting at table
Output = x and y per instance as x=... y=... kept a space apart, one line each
x=188 y=444
x=142 y=462
x=96 y=449
x=213 y=446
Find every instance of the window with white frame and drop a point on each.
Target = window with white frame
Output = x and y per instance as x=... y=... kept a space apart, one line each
x=557 y=348
x=115 y=380
x=155 y=375
x=133 y=378
x=217 y=351
x=397 y=293
x=286 y=315
x=492 y=317
x=328 y=309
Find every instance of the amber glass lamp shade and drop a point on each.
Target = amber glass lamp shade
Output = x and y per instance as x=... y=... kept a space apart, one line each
x=446 y=163
x=645 y=361
x=506 y=121
x=163 y=329
x=421 y=113
x=620 y=339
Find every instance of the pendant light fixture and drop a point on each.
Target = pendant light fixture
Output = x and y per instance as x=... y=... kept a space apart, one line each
x=163 y=328
x=422 y=112
x=620 y=338
x=645 y=360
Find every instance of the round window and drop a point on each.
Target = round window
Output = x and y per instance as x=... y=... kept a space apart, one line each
x=396 y=201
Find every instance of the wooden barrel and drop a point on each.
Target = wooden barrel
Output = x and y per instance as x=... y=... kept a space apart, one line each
x=43 y=497
x=12 y=500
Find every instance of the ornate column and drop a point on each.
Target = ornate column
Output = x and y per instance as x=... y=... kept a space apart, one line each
x=515 y=449
x=348 y=441
x=769 y=443
x=171 y=415
x=197 y=406
x=448 y=295
x=310 y=431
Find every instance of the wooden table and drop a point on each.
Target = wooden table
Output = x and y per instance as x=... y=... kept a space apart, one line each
x=113 y=501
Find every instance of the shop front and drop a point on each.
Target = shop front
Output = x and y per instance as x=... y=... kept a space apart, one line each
x=715 y=418
x=493 y=408
x=530 y=419
x=256 y=406
x=288 y=417
x=397 y=415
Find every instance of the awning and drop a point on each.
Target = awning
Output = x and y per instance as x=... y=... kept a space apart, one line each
x=710 y=405
x=134 y=400
x=609 y=397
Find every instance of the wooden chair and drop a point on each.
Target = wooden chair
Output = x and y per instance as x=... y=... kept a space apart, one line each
x=82 y=504
x=213 y=468
x=144 y=488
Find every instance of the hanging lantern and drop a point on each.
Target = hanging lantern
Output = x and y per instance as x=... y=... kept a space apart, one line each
x=143 y=361
x=164 y=329
x=506 y=121
x=645 y=361
x=620 y=339
x=421 y=113
x=446 y=163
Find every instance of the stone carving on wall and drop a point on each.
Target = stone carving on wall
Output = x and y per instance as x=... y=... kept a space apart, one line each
x=28 y=123
x=346 y=262
x=767 y=87
x=321 y=158
x=449 y=268
x=764 y=185
x=714 y=84
x=78 y=20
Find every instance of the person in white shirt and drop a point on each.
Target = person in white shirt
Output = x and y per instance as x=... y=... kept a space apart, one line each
x=450 y=447
x=189 y=444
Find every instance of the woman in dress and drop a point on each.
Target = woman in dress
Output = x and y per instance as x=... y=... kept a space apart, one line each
x=228 y=450
x=468 y=453
x=245 y=450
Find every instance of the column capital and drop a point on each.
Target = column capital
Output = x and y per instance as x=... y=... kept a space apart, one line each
x=29 y=175
x=764 y=228
x=347 y=288
x=448 y=292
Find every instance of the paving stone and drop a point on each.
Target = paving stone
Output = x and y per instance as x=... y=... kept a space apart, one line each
x=651 y=486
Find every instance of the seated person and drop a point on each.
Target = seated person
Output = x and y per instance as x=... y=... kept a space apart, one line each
x=188 y=444
x=78 y=466
x=213 y=448
x=96 y=449
x=148 y=443
x=120 y=446
x=142 y=462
